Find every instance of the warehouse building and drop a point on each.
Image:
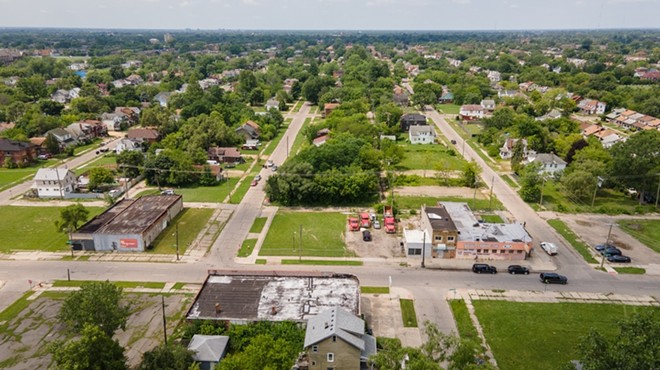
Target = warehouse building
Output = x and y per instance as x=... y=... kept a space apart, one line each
x=130 y=225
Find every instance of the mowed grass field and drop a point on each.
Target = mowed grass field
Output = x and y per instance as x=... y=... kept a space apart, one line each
x=33 y=228
x=322 y=235
x=191 y=221
x=428 y=156
x=646 y=231
x=544 y=335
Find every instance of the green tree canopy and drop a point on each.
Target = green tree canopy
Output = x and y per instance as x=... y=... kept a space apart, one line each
x=167 y=357
x=95 y=350
x=71 y=217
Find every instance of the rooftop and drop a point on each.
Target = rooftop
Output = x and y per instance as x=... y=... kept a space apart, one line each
x=439 y=218
x=470 y=229
x=273 y=295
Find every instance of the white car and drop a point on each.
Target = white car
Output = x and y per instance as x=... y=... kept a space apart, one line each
x=549 y=248
x=376 y=224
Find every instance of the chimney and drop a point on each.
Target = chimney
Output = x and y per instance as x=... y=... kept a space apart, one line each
x=273 y=310
x=218 y=309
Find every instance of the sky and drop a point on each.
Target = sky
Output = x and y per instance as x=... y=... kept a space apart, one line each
x=332 y=14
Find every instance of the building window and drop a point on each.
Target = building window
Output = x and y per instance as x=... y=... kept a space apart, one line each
x=450 y=238
x=315 y=348
x=478 y=250
x=414 y=252
x=334 y=338
x=438 y=238
x=331 y=357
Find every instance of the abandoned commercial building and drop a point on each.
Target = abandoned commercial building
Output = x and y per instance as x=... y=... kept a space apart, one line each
x=248 y=296
x=130 y=225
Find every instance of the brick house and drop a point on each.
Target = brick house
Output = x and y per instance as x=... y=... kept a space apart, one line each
x=20 y=153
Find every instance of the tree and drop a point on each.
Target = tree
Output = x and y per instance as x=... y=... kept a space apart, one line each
x=100 y=176
x=636 y=162
x=95 y=350
x=131 y=162
x=530 y=183
x=471 y=173
x=70 y=217
x=518 y=155
x=96 y=303
x=167 y=357
x=51 y=144
x=636 y=346
x=34 y=87
x=580 y=184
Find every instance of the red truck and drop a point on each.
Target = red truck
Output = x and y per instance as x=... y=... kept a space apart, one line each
x=388 y=220
x=353 y=224
x=365 y=220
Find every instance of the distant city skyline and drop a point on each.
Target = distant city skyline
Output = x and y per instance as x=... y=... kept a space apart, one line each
x=429 y=15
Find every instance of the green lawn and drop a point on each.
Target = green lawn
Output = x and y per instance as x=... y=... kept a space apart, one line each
x=375 y=290
x=573 y=239
x=260 y=261
x=108 y=161
x=321 y=262
x=510 y=181
x=121 y=284
x=419 y=157
x=247 y=247
x=646 y=231
x=270 y=147
x=416 y=202
x=408 y=313
x=258 y=224
x=322 y=235
x=630 y=270
x=493 y=219
x=243 y=188
x=448 y=108
x=83 y=148
x=33 y=228
x=191 y=221
x=206 y=193
x=300 y=141
x=466 y=329
x=11 y=177
x=544 y=335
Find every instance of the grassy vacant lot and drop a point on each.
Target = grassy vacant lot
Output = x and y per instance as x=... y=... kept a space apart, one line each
x=33 y=228
x=215 y=194
x=121 y=284
x=408 y=313
x=191 y=221
x=448 y=108
x=321 y=235
x=493 y=219
x=544 y=335
x=247 y=247
x=244 y=186
x=646 y=231
x=270 y=148
x=375 y=290
x=107 y=161
x=415 y=202
x=258 y=224
x=10 y=177
x=321 y=262
x=466 y=329
x=573 y=239
x=419 y=157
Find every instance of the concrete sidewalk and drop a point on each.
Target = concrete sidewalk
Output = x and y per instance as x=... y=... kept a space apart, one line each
x=555 y=297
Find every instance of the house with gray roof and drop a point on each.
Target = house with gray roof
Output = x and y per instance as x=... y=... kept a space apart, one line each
x=550 y=163
x=208 y=350
x=421 y=135
x=336 y=339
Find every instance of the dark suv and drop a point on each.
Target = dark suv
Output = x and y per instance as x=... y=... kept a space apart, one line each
x=611 y=251
x=517 y=269
x=480 y=268
x=553 y=278
x=366 y=236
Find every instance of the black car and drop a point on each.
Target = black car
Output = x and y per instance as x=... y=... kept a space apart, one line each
x=517 y=269
x=484 y=268
x=610 y=251
x=553 y=278
x=618 y=258
x=602 y=247
x=366 y=236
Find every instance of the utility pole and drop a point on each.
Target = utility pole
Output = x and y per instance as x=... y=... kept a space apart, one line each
x=609 y=233
x=490 y=202
x=162 y=299
x=177 y=240
x=423 y=248
x=657 y=193
x=593 y=198
x=300 y=250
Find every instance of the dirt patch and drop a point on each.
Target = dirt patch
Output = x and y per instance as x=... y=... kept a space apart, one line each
x=25 y=340
x=583 y=223
x=382 y=245
x=439 y=191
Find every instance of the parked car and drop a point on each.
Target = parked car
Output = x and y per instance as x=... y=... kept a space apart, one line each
x=167 y=192
x=601 y=247
x=618 y=258
x=44 y=156
x=484 y=268
x=453 y=142
x=269 y=163
x=553 y=278
x=274 y=168
x=254 y=183
x=366 y=236
x=258 y=177
x=376 y=224
x=517 y=269
x=611 y=251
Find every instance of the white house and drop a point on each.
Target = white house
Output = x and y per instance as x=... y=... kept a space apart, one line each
x=506 y=151
x=54 y=182
x=471 y=111
x=488 y=104
x=421 y=135
x=550 y=163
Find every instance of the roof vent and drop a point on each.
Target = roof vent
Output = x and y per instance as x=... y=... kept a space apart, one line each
x=273 y=310
x=218 y=309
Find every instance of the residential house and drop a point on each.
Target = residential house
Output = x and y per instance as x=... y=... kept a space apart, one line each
x=225 y=155
x=591 y=130
x=553 y=114
x=113 y=121
x=143 y=135
x=528 y=86
x=400 y=96
x=328 y=108
x=336 y=339
x=609 y=140
x=80 y=132
x=412 y=119
x=127 y=145
x=652 y=75
x=507 y=93
x=18 y=152
x=208 y=350
x=216 y=170
x=249 y=130
x=470 y=112
x=494 y=76
x=318 y=141
x=54 y=182
x=488 y=105
x=38 y=142
x=163 y=97
x=272 y=103
x=506 y=151
x=63 y=137
x=590 y=106
x=131 y=114
x=550 y=163
x=446 y=98
x=441 y=229
x=421 y=135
